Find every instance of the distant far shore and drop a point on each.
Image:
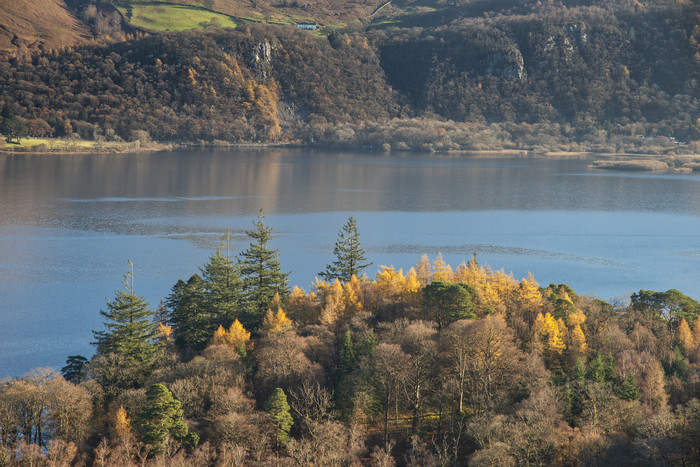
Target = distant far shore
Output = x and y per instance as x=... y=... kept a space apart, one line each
x=678 y=163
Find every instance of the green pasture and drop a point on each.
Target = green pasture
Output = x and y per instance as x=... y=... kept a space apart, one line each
x=169 y=17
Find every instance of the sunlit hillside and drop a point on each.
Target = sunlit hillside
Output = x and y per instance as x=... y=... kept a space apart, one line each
x=38 y=23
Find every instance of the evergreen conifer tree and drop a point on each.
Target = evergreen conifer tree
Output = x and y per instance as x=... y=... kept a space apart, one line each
x=75 y=370
x=628 y=389
x=445 y=302
x=161 y=421
x=262 y=273
x=190 y=319
x=202 y=304
x=579 y=370
x=223 y=286
x=347 y=357
x=278 y=409
x=130 y=330
x=349 y=255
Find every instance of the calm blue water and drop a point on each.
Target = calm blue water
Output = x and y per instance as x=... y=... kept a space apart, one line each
x=68 y=224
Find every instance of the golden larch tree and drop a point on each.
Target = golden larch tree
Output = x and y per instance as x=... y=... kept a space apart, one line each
x=577 y=339
x=549 y=332
x=165 y=334
x=412 y=282
x=696 y=333
x=302 y=307
x=276 y=323
x=238 y=337
x=441 y=270
x=423 y=270
x=352 y=302
x=529 y=293
x=219 y=336
x=685 y=337
x=122 y=427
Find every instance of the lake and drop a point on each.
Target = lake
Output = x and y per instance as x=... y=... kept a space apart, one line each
x=68 y=225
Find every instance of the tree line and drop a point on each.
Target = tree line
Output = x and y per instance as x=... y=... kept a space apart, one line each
x=435 y=366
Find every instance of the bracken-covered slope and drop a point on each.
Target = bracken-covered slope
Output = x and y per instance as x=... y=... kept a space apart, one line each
x=31 y=24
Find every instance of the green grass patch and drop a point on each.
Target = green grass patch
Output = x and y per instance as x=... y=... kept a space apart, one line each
x=74 y=145
x=26 y=143
x=169 y=17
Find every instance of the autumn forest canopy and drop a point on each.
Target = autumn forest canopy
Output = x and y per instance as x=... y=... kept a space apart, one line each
x=433 y=366
x=591 y=75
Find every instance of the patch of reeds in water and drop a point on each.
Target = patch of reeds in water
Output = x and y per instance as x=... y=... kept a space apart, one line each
x=632 y=164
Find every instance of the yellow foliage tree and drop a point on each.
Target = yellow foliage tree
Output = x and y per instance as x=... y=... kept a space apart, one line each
x=489 y=299
x=412 y=282
x=563 y=332
x=550 y=333
x=276 y=323
x=577 y=339
x=122 y=427
x=441 y=270
x=219 y=336
x=238 y=337
x=352 y=303
x=576 y=318
x=423 y=270
x=389 y=283
x=165 y=333
x=685 y=337
x=503 y=283
x=461 y=274
x=303 y=308
x=696 y=333
x=470 y=273
x=565 y=296
x=538 y=329
x=331 y=301
x=530 y=296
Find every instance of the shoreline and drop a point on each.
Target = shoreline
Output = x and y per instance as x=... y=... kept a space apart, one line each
x=64 y=147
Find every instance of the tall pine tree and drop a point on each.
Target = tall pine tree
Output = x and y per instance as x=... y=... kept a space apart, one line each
x=262 y=273
x=189 y=317
x=161 y=422
x=222 y=277
x=130 y=330
x=349 y=256
x=202 y=304
x=279 y=411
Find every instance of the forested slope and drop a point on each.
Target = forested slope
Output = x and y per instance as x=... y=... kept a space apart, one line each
x=188 y=86
x=599 y=76
x=555 y=65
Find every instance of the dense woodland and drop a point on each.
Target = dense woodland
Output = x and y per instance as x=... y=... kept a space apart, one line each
x=434 y=366
x=606 y=76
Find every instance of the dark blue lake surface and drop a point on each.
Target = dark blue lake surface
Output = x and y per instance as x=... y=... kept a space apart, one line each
x=68 y=224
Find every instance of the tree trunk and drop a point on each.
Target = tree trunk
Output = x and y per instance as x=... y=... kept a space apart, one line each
x=386 y=419
x=416 y=410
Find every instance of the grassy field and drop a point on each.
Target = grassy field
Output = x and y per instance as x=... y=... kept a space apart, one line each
x=58 y=146
x=169 y=17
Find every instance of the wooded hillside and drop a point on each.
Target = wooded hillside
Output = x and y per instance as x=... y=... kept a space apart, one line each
x=605 y=77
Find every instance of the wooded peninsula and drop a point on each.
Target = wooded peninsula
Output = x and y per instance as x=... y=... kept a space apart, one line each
x=430 y=367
